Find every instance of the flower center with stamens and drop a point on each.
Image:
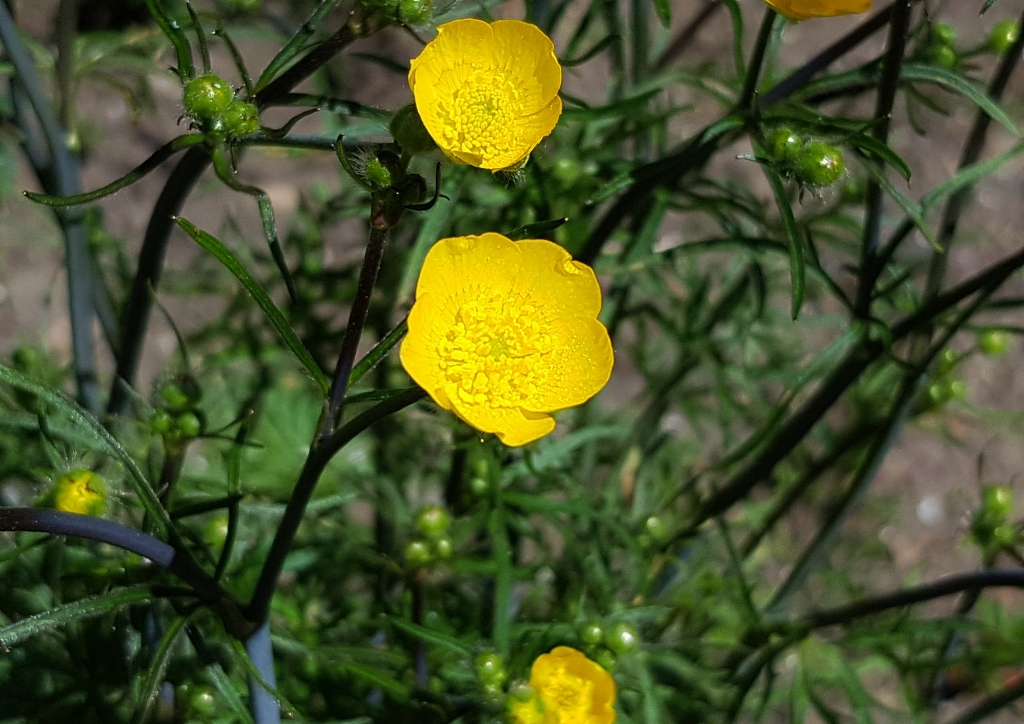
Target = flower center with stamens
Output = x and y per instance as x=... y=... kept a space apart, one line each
x=492 y=354
x=479 y=118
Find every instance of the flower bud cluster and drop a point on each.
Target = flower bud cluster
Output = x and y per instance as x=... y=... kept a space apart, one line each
x=211 y=104
x=605 y=643
x=177 y=417
x=810 y=162
x=991 y=527
x=404 y=12
x=432 y=542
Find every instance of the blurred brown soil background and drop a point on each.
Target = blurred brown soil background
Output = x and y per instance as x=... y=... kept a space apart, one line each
x=930 y=481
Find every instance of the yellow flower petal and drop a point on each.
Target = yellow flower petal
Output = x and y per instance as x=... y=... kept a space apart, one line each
x=806 y=9
x=487 y=92
x=503 y=333
x=568 y=688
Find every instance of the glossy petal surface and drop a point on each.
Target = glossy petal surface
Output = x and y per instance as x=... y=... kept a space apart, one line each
x=487 y=92
x=503 y=333
x=568 y=688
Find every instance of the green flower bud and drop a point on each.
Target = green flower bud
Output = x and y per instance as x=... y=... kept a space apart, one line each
x=417 y=553
x=415 y=12
x=408 y=130
x=215 y=531
x=479 y=487
x=943 y=33
x=1005 y=536
x=433 y=521
x=997 y=500
x=819 y=164
x=1003 y=35
x=207 y=96
x=944 y=56
x=377 y=173
x=993 y=342
x=443 y=548
x=490 y=667
x=656 y=527
x=180 y=392
x=591 y=633
x=188 y=425
x=783 y=145
x=161 y=422
x=621 y=638
x=606 y=659
x=947 y=361
x=567 y=169
x=241 y=118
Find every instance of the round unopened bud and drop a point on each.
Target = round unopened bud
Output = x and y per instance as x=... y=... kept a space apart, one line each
x=591 y=633
x=79 y=491
x=188 y=425
x=410 y=133
x=433 y=521
x=997 y=500
x=819 y=164
x=1003 y=35
x=783 y=144
x=943 y=33
x=621 y=638
x=417 y=553
x=443 y=548
x=993 y=342
x=207 y=96
x=490 y=667
x=415 y=12
x=180 y=392
x=241 y=118
x=944 y=56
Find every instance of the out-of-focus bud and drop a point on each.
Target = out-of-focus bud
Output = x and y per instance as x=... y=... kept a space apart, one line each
x=78 y=491
x=1003 y=35
x=408 y=130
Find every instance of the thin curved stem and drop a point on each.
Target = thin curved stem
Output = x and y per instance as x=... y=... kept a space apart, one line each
x=147 y=276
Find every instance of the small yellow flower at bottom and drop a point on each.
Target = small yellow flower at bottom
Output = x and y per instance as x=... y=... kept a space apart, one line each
x=568 y=688
x=503 y=333
x=807 y=9
x=77 y=491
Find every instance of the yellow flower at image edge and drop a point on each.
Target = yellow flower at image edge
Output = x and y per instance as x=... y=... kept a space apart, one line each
x=568 y=688
x=806 y=9
x=503 y=333
x=487 y=92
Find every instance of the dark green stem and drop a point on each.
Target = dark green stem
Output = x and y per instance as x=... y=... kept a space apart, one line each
x=764 y=36
x=319 y=456
x=356 y=321
x=306 y=66
x=891 y=69
x=147 y=276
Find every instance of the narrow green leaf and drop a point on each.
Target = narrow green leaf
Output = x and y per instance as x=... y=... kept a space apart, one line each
x=874 y=147
x=296 y=44
x=176 y=35
x=379 y=352
x=911 y=208
x=664 y=12
x=597 y=48
x=428 y=635
x=154 y=161
x=222 y=683
x=82 y=609
x=793 y=240
x=276 y=317
x=956 y=82
x=90 y=425
x=536 y=230
x=150 y=685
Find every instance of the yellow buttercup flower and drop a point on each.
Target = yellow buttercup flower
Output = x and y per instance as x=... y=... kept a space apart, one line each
x=568 y=688
x=503 y=333
x=488 y=92
x=805 y=9
x=78 y=491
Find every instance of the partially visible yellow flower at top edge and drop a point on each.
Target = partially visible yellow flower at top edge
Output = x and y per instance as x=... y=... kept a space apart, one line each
x=806 y=9
x=488 y=92
x=77 y=491
x=568 y=688
x=503 y=333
